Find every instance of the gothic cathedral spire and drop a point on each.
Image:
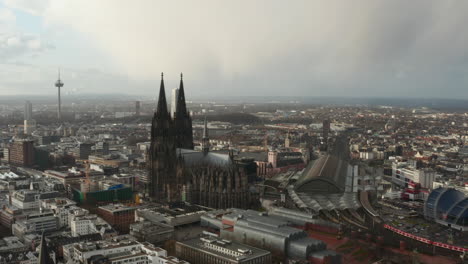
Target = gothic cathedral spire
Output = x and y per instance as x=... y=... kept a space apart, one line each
x=183 y=121
x=162 y=150
x=181 y=109
x=162 y=104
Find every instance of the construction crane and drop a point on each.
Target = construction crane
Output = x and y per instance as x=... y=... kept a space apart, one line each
x=87 y=179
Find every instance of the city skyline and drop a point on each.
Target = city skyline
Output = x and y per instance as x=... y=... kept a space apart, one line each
x=310 y=48
x=224 y=132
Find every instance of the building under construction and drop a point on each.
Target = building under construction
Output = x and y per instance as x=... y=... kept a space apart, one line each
x=100 y=191
x=116 y=193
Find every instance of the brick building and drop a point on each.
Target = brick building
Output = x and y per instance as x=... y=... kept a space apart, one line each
x=118 y=216
x=21 y=153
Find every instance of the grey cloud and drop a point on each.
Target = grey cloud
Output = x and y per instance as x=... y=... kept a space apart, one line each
x=344 y=48
x=15 y=46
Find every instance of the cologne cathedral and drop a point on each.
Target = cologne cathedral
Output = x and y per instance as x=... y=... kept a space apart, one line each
x=179 y=173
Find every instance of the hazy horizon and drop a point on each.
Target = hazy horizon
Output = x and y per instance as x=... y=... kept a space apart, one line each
x=102 y=99
x=364 y=48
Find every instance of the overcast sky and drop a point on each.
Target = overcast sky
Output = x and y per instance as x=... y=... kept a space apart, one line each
x=387 y=48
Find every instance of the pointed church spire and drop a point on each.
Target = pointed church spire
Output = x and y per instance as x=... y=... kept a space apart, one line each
x=44 y=254
x=181 y=109
x=162 y=104
x=182 y=120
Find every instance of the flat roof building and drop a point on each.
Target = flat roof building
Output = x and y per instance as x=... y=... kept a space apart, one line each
x=153 y=232
x=21 y=153
x=272 y=232
x=211 y=249
x=118 y=216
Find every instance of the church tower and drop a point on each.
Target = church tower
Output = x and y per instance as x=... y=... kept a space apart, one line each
x=182 y=121
x=162 y=153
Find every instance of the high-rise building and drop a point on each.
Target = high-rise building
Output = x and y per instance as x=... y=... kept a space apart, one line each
x=29 y=126
x=22 y=153
x=137 y=108
x=84 y=150
x=27 y=110
x=175 y=95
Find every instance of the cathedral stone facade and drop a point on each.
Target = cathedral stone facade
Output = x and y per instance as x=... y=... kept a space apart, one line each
x=179 y=173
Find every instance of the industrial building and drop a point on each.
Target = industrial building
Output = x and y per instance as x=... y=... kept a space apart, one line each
x=212 y=249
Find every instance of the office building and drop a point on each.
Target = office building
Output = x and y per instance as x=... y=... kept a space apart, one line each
x=28 y=110
x=137 y=108
x=209 y=249
x=12 y=244
x=84 y=150
x=29 y=126
x=9 y=215
x=30 y=199
x=405 y=174
x=117 y=251
x=21 y=153
x=36 y=223
x=152 y=232
x=84 y=224
x=118 y=216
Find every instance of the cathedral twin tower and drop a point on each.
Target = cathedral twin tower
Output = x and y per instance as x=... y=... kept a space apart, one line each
x=168 y=134
x=179 y=173
x=178 y=129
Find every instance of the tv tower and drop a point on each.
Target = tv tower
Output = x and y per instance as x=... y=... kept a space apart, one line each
x=59 y=84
